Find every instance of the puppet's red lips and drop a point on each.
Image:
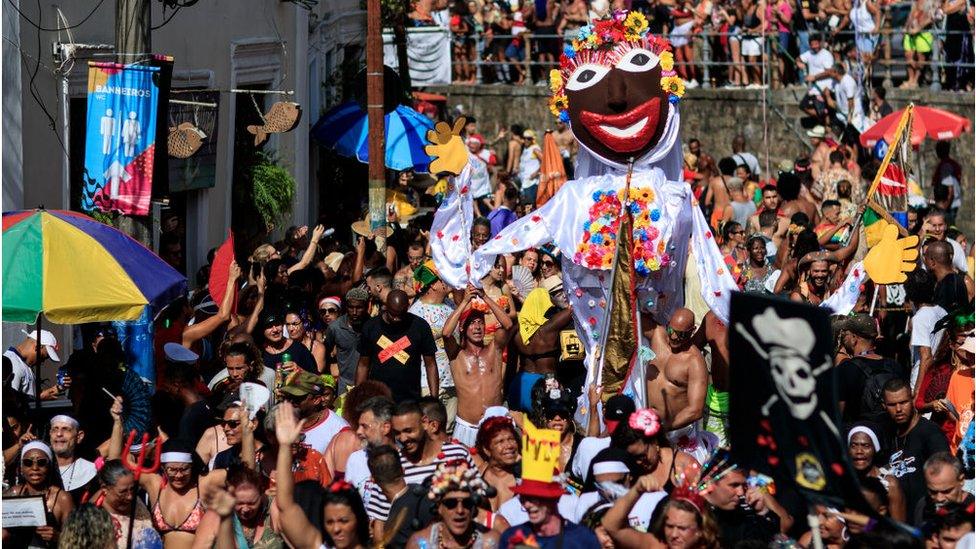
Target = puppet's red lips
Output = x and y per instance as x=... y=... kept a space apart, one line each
x=625 y=132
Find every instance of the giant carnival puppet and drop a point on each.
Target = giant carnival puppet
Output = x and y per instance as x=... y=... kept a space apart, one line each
x=624 y=224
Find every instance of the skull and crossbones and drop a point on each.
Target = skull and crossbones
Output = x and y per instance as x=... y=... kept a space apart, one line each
x=786 y=344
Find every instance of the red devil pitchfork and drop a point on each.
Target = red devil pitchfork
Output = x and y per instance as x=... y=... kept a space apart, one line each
x=138 y=468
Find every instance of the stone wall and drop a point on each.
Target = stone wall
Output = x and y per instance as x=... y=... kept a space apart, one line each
x=716 y=116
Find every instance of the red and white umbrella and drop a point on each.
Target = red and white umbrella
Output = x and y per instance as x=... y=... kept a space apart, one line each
x=927 y=122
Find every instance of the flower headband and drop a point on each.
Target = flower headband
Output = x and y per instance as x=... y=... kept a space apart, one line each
x=456 y=475
x=646 y=421
x=604 y=42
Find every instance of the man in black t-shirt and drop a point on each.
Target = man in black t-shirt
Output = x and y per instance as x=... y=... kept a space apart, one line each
x=860 y=378
x=912 y=440
x=392 y=347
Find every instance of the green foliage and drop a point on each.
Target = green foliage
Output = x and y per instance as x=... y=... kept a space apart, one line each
x=274 y=189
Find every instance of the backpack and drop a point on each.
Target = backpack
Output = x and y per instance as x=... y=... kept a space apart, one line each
x=876 y=374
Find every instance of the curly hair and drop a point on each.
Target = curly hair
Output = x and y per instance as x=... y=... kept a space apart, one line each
x=87 y=526
x=703 y=519
x=490 y=428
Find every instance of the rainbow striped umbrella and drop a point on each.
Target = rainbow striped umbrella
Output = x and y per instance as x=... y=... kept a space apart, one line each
x=74 y=269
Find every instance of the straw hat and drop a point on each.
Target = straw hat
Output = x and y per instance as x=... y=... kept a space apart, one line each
x=361 y=228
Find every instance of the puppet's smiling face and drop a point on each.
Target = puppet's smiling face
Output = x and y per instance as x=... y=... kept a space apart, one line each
x=618 y=109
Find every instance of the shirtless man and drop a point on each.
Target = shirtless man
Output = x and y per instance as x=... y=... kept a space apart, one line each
x=718 y=194
x=403 y=279
x=540 y=352
x=677 y=379
x=477 y=368
x=788 y=187
x=814 y=280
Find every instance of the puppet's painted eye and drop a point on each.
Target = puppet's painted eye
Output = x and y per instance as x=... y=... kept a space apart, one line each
x=585 y=76
x=638 y=60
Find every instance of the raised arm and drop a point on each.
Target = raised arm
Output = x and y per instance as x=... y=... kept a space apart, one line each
x=504 y=332
x=451 y=345
x=252 y=321
x=313 y=244
x=616 y=521
x=200 y=330
x=294 y=524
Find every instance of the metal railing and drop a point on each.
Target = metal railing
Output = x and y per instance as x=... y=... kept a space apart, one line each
x=493 y=65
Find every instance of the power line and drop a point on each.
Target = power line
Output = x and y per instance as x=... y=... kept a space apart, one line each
x=45 y=29
x=171 y=15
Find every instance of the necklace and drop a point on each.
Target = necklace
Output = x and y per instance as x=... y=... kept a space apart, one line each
x=71 y=476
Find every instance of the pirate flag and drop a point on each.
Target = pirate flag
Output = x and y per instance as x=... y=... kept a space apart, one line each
x=783 y=411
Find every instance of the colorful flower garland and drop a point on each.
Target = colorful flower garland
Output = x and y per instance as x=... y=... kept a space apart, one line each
x=596 y=249
x=604 y=42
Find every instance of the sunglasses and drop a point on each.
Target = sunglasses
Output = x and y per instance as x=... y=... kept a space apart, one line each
x=453 y=503
x=28 y=463
x=328 y=311
x=232 y=423
x=680 y=334
x=548 y=264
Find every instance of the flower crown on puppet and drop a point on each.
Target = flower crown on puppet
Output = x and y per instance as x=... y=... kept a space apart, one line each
x=456 y=475
x=604 y=42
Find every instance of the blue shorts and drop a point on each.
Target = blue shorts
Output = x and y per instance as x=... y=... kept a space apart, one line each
x=866 y=43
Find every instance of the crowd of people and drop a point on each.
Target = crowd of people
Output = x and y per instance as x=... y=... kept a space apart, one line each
x=517 y=42
x=396 y=408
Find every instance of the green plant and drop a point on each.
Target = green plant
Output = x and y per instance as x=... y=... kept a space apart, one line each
x=274 y=189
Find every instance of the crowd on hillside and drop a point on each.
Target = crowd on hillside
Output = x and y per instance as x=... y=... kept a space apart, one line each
x=517 y=42
x=395 y=406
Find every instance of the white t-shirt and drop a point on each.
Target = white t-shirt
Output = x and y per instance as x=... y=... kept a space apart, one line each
x=319 y=436
x=23 y=375
x=749 y=160
x=529 y=163
x=480 y=177
x=78 y=474
x=513 y=512
x=267 y=377
x=357 y=471
x=846 y=89
x=922 y=323
x=639 y=516
x=817 y=63
x=588 y=448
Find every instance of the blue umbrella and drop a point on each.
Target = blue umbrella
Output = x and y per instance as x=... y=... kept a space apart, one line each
x=345 y=130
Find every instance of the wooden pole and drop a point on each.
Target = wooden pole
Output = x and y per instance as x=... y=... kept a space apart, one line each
x=375 y=116
x=37 y=363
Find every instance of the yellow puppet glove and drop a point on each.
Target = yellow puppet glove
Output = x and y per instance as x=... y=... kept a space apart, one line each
x=892 y=257
x=447 y=151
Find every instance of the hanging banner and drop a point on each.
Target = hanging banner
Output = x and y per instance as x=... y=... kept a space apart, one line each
x=783 y=409
x=428 y=53
x=121 y=138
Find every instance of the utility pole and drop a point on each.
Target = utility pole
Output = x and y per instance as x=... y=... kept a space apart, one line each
x=133 y=22
x=375 y=118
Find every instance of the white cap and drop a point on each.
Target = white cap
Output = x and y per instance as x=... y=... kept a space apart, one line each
x=48 y=341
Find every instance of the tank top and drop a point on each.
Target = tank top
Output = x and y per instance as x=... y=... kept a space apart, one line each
x=319 y=436
x=861 y=18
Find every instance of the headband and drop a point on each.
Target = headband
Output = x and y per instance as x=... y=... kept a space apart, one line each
x=61 y=418
x=332 y=300
x=36 y=445
x=605 y=467
x=175 y=457
x=866 y=431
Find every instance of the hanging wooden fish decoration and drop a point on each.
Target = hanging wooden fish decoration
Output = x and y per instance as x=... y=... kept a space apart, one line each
x=283 y=117
x=184 y=140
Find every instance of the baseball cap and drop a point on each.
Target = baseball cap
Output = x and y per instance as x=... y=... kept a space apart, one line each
x=304 y=383
x=617 y=408
x=862 y=325
x=48 y=341
x=817 y=131
x=528 y=134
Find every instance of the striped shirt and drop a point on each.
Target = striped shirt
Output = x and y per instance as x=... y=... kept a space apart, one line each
x=378 y=507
